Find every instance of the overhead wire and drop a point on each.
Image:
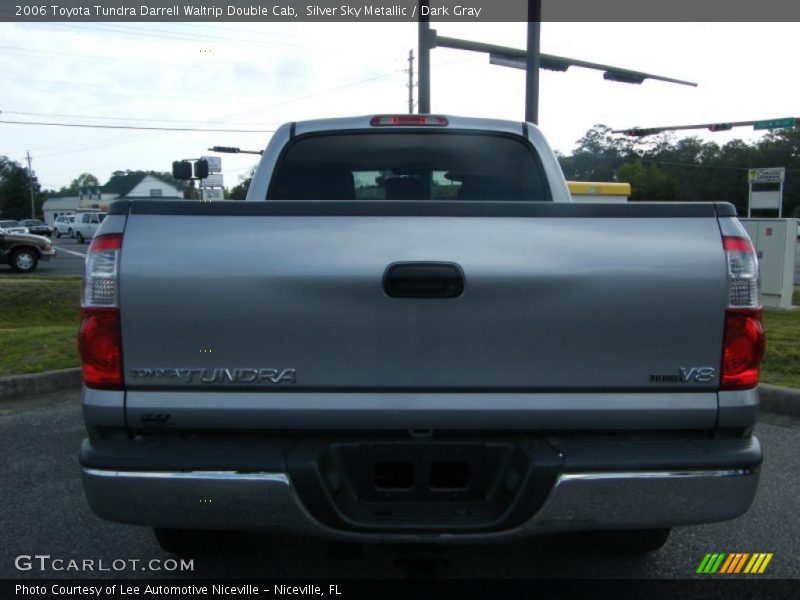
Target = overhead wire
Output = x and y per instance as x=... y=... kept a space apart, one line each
x=99 y=117
x=137 y=127
x=135 y=138
x=177 y=35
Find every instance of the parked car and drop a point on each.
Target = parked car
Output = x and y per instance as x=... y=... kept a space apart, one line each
x=36 y=227
x=23 y=251
x=13 y=227
x=86 y=225
x=418 y=337
x=63 y=225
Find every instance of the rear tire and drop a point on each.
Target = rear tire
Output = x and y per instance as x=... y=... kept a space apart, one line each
x=79 y=237
x=191 y=542
x=24 y=260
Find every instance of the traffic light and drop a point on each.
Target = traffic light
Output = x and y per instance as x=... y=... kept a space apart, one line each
x=201 y=169
x=228 y=149
x=182 y=170
x=720 y=127
x=642 y=132
x=621 y=76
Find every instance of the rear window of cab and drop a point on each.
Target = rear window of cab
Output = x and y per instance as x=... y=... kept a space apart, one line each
x=403 y=165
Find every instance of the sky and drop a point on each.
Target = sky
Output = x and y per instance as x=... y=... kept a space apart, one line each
x=256 y=76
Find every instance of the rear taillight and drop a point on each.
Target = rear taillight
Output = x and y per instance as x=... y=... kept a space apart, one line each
x=743 y=345
x=100 y=347
x=742 y=272
x=99 y=338
x=743 y=349
x=427 y=120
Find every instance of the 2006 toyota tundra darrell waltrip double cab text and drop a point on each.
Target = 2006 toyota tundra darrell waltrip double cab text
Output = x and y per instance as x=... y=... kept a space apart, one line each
x=409 y=333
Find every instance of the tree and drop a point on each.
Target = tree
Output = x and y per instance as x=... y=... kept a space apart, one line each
x=648 y=182
x=598 y=155
x=15 y=194
x=83 y=180
x=664 y=168
x=781 y=148
x=239 y=191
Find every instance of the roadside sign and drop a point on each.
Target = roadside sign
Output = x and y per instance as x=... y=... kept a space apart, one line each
x=770 y=175
x=762 y=196
x=765 y=200
x=214 y=163
x=213 y=180
x=213 y=194
x=775 y=123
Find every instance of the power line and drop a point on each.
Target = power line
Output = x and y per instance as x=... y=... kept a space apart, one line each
x=91 y=58
x=368 y=80
x=700 y=166
x=37 y=114
x=205 y=39
x=97 y=126
x=133 y=139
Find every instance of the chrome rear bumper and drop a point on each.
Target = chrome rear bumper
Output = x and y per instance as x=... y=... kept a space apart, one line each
x=231 y=500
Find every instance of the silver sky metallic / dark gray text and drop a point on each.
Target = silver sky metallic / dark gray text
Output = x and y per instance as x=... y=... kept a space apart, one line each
x=240 y=375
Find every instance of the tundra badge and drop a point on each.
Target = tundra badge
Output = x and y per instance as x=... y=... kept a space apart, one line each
x=240 y=375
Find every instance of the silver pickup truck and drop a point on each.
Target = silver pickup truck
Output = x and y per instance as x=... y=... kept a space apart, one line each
x=409 y=333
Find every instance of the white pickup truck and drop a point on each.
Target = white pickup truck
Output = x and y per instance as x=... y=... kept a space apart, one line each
x=409 y=333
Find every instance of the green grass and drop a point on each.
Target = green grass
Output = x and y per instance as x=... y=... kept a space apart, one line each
x=38 y=323
x=39 y=319
x=782 y=359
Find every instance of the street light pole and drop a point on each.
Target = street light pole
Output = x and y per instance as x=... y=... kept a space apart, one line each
x=533 y=61
x=30 y=184
x=424 y=59
x=411 y=81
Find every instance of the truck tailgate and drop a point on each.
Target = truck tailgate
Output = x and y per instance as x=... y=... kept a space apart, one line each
x=577 y=298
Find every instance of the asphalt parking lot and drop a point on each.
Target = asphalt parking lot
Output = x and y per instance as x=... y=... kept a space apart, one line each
x=44 y=512
x=68 y=261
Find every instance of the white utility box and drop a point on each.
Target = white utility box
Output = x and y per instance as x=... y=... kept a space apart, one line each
x=775 y=242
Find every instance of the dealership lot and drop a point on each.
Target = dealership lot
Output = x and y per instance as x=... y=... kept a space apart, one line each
x=45 y=513
x=69 y=260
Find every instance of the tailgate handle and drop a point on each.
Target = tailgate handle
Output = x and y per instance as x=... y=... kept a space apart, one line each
x=423 y=280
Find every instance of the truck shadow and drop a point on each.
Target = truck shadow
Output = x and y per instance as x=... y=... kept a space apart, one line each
x=548 y=556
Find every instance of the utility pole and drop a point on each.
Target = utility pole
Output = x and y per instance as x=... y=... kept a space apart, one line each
x=533 y=62
x=411 y=81
x=30 y=183
x=424 y=45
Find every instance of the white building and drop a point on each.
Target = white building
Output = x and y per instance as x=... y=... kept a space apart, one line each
x=121 y=185
x=56 y=207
